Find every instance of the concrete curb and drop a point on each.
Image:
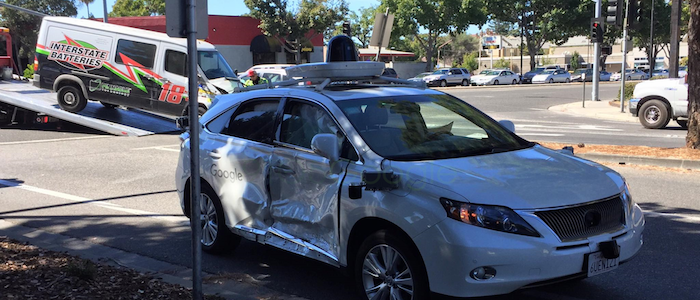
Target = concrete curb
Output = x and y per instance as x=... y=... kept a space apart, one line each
x=167 y=272
x=525 y=85
x=642 y=160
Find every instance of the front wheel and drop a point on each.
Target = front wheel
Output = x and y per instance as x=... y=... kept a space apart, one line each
x=654 y=114
x=551 y=80
x=515 y=81
x=216 y=237
x=495 y=82
x=629 y=77
x=387 y=267
x=443 y=83
x=71 y=99
x=568 y=80
x=465 y=82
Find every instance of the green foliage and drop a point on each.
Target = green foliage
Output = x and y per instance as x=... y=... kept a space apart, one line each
x=575 y=60
x=504 y=28
x=629 y=90
x=425 y=21
x=294 y=23
x=24 y=27
x=460 y=45
x=29 y=71
x=130 y=8
x=501 y=64
x=544 y=21
x=361 y=26
x=683 y=62
x=470 y=61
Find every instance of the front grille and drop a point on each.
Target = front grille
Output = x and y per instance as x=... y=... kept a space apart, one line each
x=580 y=222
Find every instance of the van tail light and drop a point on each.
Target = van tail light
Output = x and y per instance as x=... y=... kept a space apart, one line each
x=36 y=64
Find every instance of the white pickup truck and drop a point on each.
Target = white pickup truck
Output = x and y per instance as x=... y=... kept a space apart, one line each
x=657 y=102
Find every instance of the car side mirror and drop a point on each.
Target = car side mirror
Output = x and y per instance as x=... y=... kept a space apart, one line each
x=326 y=145
x=508 y=125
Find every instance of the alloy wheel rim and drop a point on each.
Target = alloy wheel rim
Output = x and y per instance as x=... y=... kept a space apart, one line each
x=652 y=115
x=386 y=275
x=210 y=223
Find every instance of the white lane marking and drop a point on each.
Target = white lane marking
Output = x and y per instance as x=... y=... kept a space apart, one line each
x=54 y=140
x=683 y=217
x=107 y=205
x=162 y=147
x=578 y=127
x=548 y=295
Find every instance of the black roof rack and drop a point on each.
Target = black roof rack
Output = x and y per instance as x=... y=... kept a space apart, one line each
x=322 y=83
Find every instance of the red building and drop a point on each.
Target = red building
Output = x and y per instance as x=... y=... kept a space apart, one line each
x=239 y=40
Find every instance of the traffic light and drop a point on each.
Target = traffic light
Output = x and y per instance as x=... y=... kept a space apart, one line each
x=615 y=8
x=597 y=31
x=346 y=28
x=635 y=12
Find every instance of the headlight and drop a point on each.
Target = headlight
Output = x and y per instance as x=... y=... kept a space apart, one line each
x=627 y=199
x=488 y=216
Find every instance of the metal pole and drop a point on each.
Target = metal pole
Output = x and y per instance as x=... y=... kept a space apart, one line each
x=624 y=58
x=491 y=55
x=652 y=55
x=676 y=8
x=22 y=9
x=104 y=8
x=522 y=21
x=195 y=210
x=596 y=56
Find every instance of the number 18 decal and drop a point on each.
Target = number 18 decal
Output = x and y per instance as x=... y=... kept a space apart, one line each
x=172 y=93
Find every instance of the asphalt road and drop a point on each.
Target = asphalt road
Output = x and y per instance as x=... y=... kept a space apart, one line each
x=119 y=191
x=527 y=106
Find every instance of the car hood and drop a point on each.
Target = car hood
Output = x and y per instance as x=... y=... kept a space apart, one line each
x=531 y=178
x=484 y=77
x=542 y=76
x=224 y=84
x=432 y=77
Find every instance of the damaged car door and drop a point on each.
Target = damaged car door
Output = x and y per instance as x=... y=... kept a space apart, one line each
x=236 y=161
x=304 y=185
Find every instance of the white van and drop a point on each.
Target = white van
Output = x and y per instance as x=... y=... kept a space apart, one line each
x=117 y=65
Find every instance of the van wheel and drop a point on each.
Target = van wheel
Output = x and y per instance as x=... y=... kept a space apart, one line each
x=216 y=237
x=387 y=267
x=654 y=114
x=108 y=105
x=71 y=99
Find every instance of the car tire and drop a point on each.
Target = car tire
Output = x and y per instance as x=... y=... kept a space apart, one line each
x=683 y=123
x=216 y=237
x=71 y=99
x=108 y=105
x=515 y=81
x=654 y=114
x=465 y=82
x=372 y=275
x=443 y=83
x=629 y=77
x=551 y=80
x=495 y=82
x=567 y=80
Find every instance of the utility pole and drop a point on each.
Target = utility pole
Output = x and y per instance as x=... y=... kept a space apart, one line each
x=624 y=56
x=522 y=32
x=104 y=8
x=596 y=56
x=652 y=55
x=676 y=8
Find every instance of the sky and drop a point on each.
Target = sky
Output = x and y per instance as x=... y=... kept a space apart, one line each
x=225 y=8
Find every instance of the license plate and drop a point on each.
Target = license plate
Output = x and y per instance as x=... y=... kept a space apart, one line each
x=598 y=264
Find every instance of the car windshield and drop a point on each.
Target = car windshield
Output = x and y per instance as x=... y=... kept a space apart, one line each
x=579 y=71
x=214 y=65
x=537 y=71
x=548 y=72
x=425 y=127
x=494 y=73
x=421 y=75
x=438 y=72
x=484 y=72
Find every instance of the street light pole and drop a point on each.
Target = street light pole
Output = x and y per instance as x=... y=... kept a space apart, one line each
x=596 y=56
x=104 y=9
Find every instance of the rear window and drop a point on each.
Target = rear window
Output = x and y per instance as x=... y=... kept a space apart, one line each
x=141 y=53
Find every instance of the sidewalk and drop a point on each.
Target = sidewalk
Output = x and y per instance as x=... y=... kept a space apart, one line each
x=596 y=109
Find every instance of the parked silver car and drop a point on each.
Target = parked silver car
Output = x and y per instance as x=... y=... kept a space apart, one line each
x=630 y=74
x=552 y=76
x=495 y=77
x=448 y=76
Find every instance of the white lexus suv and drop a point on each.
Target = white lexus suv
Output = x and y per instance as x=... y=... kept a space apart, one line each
x=412 y=190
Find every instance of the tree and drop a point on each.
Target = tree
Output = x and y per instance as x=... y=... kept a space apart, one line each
x=692 y=140
x=662 y=29
x=134 y=8
x=543 y=21
x=575 y=60
x=424 y=21
x=501 y=64
x=25 y=27
x=361 y=26
x=87 y=4
x=470 y=62
x=293 y=24
x=461 y=44
x=504 y=28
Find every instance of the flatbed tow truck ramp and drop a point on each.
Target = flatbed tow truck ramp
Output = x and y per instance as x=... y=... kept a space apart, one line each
x=115 y=121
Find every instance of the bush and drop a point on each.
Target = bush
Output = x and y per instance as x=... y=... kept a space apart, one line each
x=29 y=71
x=501 y=64
x=470 y=62
x=629 y=90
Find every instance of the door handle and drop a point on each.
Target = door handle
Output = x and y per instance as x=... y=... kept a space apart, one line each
x=283 y=170
x=215 y=154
